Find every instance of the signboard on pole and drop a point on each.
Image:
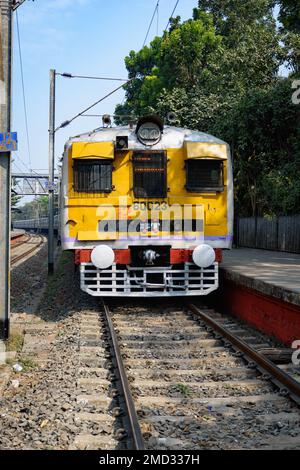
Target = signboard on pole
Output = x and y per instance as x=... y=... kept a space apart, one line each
x=8 y=141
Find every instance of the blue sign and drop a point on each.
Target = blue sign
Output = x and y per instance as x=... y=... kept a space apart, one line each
x=8 y=142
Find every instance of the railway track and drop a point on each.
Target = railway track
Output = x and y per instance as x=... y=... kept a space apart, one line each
x=29 y=246
x=105 y=409
x=174 y=378
x=21 y=242
x=271 y=360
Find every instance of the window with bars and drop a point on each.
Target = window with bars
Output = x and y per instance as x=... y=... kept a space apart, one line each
x=93 y=176
x=150 y=174
x=204 y=175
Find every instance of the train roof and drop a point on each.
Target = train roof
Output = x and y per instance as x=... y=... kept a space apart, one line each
x=172 y=137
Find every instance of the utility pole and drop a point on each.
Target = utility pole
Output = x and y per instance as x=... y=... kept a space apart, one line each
x=5 y=162
x=51 y=172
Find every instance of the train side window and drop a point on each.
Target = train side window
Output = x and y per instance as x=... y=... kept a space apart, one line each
x=93 y=176
x=204 y=175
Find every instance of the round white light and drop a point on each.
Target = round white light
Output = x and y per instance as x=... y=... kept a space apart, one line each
x=204 y=256
x=149 y=133
x=102 y=256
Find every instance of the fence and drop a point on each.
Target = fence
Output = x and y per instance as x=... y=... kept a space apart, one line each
x=279 y=234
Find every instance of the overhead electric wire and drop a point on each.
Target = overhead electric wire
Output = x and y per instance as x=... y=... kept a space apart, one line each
x=66 y=123
x=20 y=169
x=30 y=170
x=23 y=89
x=17 y=4
x=157 y=19
x=23 y=164
x=174 y=9
x=16 y=184
x=13 y=4
x=110 y=115
x=17 y=166
x=15 y=154
x=69 y=75
x=153 y=16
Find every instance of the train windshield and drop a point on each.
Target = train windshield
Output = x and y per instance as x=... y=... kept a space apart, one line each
x=149 y=174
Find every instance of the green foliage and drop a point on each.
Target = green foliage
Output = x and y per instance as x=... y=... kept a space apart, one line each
x=15 y=199
x=219 y=73
x=28 y=364
x=183 y=389
x=227 y=46
x=290 y=15
x=292 y=51
x=33 y=209
x=14 y=342
x=264 y=132
x=184 y=55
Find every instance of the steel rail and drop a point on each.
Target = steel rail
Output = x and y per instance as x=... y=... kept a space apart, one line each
x=17 y=258
x=21 y=242
x=278 y=376
x=135 y=430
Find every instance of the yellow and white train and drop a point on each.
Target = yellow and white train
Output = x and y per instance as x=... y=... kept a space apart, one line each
x=147 y=209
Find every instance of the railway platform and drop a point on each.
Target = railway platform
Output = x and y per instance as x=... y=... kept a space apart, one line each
x=263 y=288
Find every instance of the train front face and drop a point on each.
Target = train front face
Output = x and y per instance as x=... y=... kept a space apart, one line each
x=147 y=210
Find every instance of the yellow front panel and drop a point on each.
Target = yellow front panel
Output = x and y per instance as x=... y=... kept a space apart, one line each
x=86 y=210
x=205 y=150
x=92 y=150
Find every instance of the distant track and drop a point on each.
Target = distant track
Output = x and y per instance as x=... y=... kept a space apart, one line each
x=20 y=242
x=29 y=247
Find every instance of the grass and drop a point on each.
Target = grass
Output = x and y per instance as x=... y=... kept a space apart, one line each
x=54 y=284
x=60 y=271
x=14 y=342
x=184 y=389
x=3 y=367
x=27 y=364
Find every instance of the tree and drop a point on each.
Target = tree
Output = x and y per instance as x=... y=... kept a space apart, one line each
x=219 y=72
x=34 y=209
x=227 y=47
x=252 y=53
x=264 y=133
x=235 y=12
x=15 y=199
x=184 y=56
x=289 y=17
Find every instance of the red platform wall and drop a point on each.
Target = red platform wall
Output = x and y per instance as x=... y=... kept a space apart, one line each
x=270 y=315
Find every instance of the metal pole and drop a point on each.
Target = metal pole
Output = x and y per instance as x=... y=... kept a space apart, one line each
x=5 y=163
x=51 y=172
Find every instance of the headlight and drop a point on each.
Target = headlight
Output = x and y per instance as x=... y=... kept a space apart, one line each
x=102 y=256
x=204 y=256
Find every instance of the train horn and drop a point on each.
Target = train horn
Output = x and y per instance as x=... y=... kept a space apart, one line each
x=106 y=120
x=171 y=117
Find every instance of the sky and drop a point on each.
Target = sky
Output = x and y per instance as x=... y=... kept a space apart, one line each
x=82 y=37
